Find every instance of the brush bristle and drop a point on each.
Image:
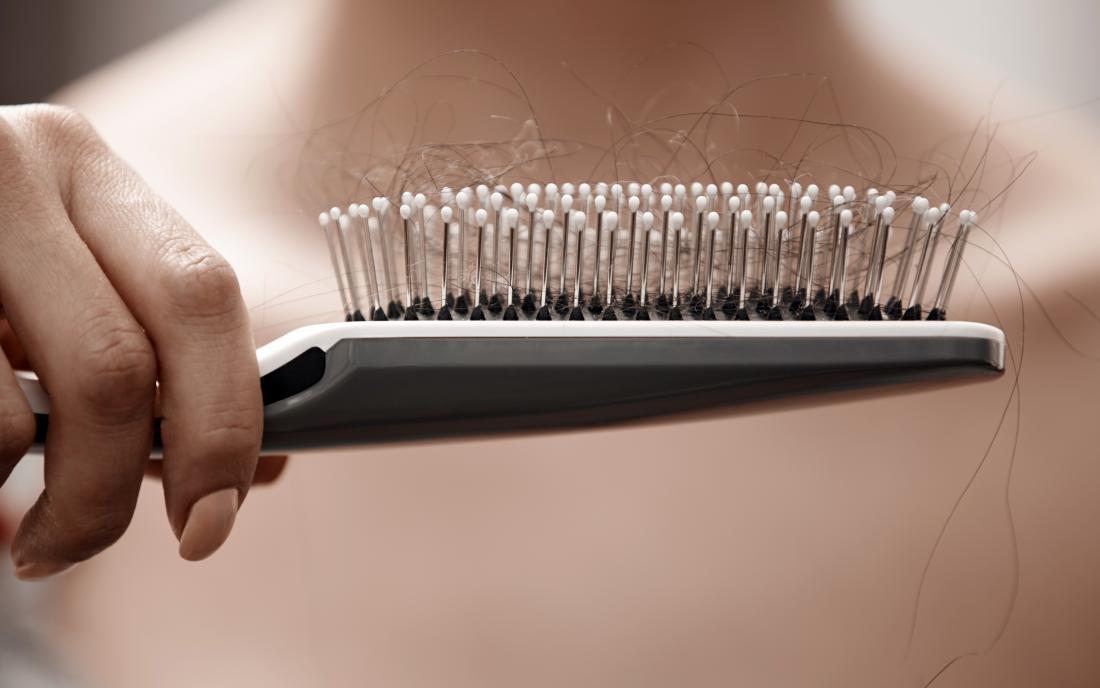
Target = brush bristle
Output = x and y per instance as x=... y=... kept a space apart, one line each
x=633 y=251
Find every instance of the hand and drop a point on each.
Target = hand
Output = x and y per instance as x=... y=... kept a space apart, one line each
x=107 y=291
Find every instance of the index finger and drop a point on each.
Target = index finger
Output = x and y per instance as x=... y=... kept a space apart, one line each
x=187 y=298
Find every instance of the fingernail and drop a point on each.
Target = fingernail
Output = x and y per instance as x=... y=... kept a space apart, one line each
x=208 y=525
x=39 y=570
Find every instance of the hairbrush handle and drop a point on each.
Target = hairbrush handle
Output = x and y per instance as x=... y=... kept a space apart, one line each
x=362 y=383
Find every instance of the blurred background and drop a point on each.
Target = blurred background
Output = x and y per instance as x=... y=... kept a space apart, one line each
x=44 y=44
x=51 y=42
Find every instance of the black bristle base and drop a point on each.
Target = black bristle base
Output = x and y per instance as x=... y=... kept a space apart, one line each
x=609 y=314
x=444 y=314
x=528 y=306
x=511 y=313
x=642 y=314
x=394 y=310
x=379 y=315
x=544 y=314
x=410 y=314
x=462 y=306
x=741 y=314
x=576 y=313
x=912 y=313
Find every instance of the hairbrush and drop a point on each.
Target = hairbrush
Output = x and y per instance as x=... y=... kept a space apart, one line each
x=590 y=304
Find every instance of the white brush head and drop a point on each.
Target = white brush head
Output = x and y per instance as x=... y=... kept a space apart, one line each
x=633 y=189
x=887 y=215
x=568 y=188
x=769 y=204
x=647 y=220
x=781 y=219
x=532 y=202
x=420 y=200
x=601 y=188
x=463 y=200
x=646 y=190
x=812 y=191
x=746 y=218
x=666 y=202
x=700 y=204
x=712 y=219
x=890 y=197
x=849 y=193
x=447 y=195
x=761 y=188
x=932 y=215
x=611 y=221
x=834 y=191
x=712 y=190
x=534 y=188
x=945 y=208
x=516 y=191
x=324 y=219
x=616 y=191
x=920 y=205
x=696 y=188
x=406 y=211
x=407 y=197
x=578 y=219
x=567 y=202
x=481 y=217
x=512 y=216
x=845 y=217
x=548 y=218
x=804 y=204
x=676 y=220
x=447 y=213
x=334 y=212
x=497 y=200
x=812 y=219
x=634 y=203
x=742 y=189
x=838 y=201
x=973 y=218
x=796 y=190
x=364 y=210
x=600 y=203
x=666 y=189
x=353 y=209
x=774 y=190
x=551 y=191
x=345 y=223
x=734 y=204
x=584 y=190
x=727 y=188
x=880 y=203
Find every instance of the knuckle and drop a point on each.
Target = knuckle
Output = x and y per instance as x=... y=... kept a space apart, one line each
x=116 y=365
x=17 y=429
x=58 y=124
x=199 y=282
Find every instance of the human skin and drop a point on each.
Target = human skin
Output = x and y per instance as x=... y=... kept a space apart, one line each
x=707 y=551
